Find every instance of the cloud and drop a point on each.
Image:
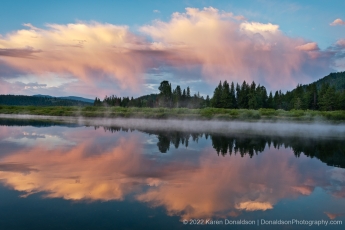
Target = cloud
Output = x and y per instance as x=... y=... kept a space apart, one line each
x=311 y=46
x=156 y=11
x=332 y=216
x=341 y=43
x=338 y=54
x=305 y=190
x=223 y=48
x=338 y=22
x=257 y=27
x=70 y=181
x=14 y=167
x=208 y=43
x=8 y=88
x=254 y=206
x=89 y=51
x=21 y=53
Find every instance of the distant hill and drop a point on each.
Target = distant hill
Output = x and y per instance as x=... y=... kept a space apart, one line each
x=42 y=100
x=78 y=99
x=334 y=79
x=68 y=98
x=148 y=97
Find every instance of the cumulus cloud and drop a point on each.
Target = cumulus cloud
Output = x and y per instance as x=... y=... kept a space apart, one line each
x=254 y=206
x=90 y=51
x=22 y=53
x=311 y=46
x=211 y=44
x=341 y=43
x=224 y=48
x=338 y=52
x=338 y=22
x=259 y=27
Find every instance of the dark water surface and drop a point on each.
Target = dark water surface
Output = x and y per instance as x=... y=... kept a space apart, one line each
x=68 y=176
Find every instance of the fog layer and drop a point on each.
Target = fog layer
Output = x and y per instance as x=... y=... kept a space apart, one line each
x=281 y=128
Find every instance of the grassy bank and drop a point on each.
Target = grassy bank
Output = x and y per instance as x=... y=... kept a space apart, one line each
x=178 y=113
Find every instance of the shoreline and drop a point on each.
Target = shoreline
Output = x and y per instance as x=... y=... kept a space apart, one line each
x=180 y=113
x=271 y=128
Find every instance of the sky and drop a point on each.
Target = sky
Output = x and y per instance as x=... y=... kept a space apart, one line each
x=126 y=48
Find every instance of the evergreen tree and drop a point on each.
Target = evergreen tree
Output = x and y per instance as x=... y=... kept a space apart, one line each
x=342 y=100
x=238 y=95
x=276 y=100
x=261 y=96
x=328 y=97
x=188 y=92
x=225 y=100
x=242 y=95
x=177 y=96
x=207 y=101
x=217 y=95
x=233 y=96
x=270 y=103
x=298 y=102
x=165 y=94
x=252 y=97
x=310 y=97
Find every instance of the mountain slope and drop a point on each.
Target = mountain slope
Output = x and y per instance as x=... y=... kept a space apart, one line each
x=78 y=99
x=68 y=98
x=39 y=101
x=334 y=79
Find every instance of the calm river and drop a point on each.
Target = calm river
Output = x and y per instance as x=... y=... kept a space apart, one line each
x=70 y=176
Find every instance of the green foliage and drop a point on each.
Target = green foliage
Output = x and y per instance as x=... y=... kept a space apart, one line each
x=217 y=96
x=337 y=80
x=38 y=101
x=176 y=113
x=165 y=95
x=328 y=98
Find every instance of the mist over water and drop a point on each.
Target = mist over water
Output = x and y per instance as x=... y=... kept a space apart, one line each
x=274 y=128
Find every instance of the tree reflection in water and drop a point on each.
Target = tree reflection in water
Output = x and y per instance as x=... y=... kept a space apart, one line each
x=328 y=151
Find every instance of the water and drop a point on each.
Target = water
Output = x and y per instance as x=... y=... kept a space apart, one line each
x=72 y=176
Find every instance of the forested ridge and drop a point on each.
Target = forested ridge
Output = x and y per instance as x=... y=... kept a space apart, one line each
x=327 y=93
x=334 y=79
x=38 y=101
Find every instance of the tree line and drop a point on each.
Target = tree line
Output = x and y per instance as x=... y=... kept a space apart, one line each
x=320 y=95
x=168 y=97
x=252 y=96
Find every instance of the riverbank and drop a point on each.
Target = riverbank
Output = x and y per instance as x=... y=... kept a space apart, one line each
x=177 y=113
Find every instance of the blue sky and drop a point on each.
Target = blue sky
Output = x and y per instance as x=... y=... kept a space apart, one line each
x=297 y=20
x=308 y=19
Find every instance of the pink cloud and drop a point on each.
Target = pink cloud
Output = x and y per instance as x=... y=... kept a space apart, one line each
x=89 y=51
x=333 y=216
x=337 y=22
x=218 y=44
x=341 y=43
x=259 y=27
x=254 y=206
x=231 y=189
x=227 y=49
x=311 y=46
